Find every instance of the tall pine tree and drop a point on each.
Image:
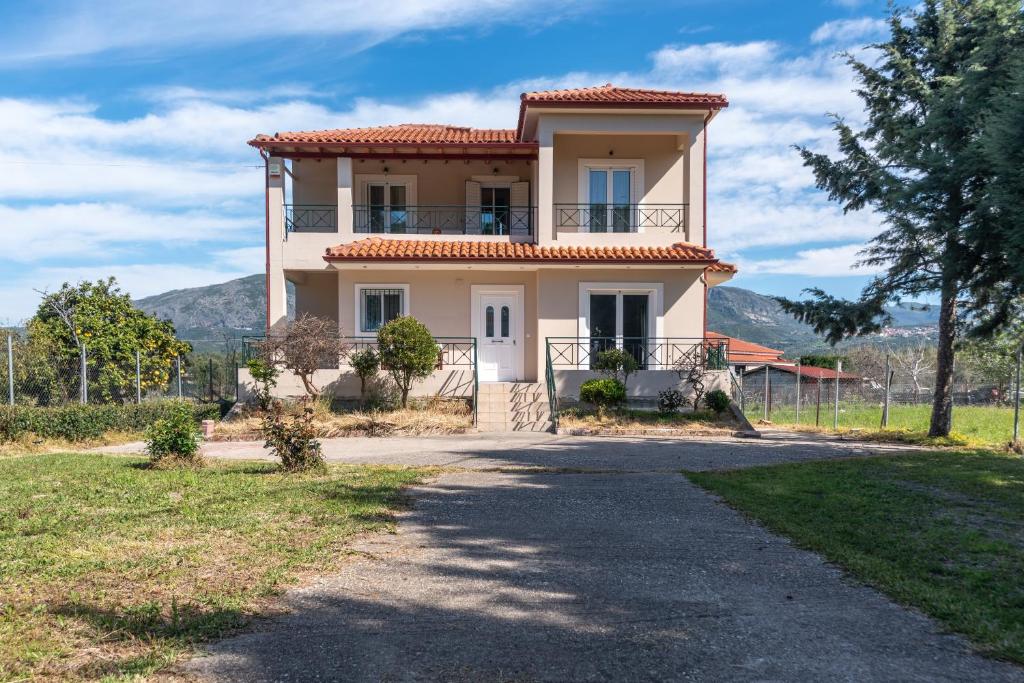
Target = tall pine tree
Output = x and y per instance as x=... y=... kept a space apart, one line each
x=922 y=162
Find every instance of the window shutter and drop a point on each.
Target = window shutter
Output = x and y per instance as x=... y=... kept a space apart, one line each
x=472 y=207
x=519 y=198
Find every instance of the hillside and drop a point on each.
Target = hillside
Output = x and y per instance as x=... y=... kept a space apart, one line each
x=237 y=308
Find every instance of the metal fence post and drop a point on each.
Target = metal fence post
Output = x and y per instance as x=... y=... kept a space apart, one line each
x=177 y=367
x=817 y=409
x=85 y=375
x=798 y=392
x=766 y=369
x=888 y=389
x=1016 y=400
x=138 y=376
x=10 y=368
x=835 y=419
x=210 y=368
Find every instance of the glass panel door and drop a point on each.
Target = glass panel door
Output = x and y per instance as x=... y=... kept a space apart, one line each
x=603 y=312
x=598 y=209
x=634 y=327
x=378 y=207
x=622 y=190
x=495 y=203
x=399 y=217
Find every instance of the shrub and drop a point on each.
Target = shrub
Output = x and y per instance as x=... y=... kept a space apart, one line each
x=264 y=377
x=670 y=401
x=307 y=345
x=408 y=352
x=617 y=364
x=293 y=439
x=366 y=363
x=717 y=400
x=77 y=422
x=603 y=393
x=174 y=437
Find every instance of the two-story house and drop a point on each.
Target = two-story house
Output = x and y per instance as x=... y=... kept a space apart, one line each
x=582 y=228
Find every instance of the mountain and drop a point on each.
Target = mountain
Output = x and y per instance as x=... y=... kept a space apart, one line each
x=238 y=307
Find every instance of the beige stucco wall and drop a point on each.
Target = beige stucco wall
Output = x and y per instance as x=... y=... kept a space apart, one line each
x=438 y=182
x=315 y=181
x=344 y=383
x=316 y=294
x=664 y=166
x=642 y=384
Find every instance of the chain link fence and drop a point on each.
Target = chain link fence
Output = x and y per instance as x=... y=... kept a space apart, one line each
x=33 y=374
x=871 y=391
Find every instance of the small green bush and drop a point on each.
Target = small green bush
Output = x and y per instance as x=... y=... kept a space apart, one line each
x=407 y=351
x=366 y=363
x=618 y=364
x=78 y=422
x=264 y=377
x=717 y=400
x=603 y=393
x=293 y=439
x=174 y=437
x=670 y=401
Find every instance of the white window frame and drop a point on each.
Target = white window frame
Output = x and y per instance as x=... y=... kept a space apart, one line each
x=364 y=180
x=655 y=292
x=636 y=190
x=358 y=308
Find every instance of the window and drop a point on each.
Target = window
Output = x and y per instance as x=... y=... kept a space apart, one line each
x=380 y=304
x=625 y=316
x=495 y=203
x=489 y=322
x=609 y=195
x=388 y=207
x=504 y=321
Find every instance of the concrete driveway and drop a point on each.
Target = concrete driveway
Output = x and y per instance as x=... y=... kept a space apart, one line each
x=630 y=574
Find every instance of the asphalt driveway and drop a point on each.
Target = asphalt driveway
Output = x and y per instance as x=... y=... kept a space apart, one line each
x=632 y=575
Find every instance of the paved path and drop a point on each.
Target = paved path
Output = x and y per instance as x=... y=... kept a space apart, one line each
x=497 y=451
x=629 y=575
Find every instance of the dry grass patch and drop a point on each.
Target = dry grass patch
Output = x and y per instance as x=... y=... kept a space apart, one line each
x=30 y=443
x=111 y=569
x=438 y=417
x=638 y=422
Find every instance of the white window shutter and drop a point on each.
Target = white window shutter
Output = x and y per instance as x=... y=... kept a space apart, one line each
x=472 y=207
x=519 y=198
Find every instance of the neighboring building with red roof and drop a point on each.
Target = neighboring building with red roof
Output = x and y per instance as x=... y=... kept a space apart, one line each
x=584 y=222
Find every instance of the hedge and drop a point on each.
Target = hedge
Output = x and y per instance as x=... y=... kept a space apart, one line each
x=81 y=422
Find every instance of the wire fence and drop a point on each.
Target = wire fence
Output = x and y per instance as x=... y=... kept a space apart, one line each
x=884 y=391
x=35 y=374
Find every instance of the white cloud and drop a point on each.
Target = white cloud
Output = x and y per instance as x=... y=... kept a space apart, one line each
x=826 y=262
x=81 y=27
x=849 y=30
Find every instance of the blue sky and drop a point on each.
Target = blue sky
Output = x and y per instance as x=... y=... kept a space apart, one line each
x=123 y=125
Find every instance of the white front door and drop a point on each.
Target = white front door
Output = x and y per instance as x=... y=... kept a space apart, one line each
x=497 y=320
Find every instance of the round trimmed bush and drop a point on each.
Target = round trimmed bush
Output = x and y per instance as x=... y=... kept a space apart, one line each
x=603 y=393
x=717 y=400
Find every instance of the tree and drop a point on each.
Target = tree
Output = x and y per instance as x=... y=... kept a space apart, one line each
x=407 y=351
x=917 y=362
x=97 y=316
x=308 y=344
x=366 y=363
x=919 y=163
x=618 y=364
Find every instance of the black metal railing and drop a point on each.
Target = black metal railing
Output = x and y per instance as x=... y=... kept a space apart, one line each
x=651 y=353
x=444 y=220
x=621 y=217
x=310 y=218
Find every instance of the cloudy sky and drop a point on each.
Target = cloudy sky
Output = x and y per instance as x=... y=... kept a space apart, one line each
x=123 y=125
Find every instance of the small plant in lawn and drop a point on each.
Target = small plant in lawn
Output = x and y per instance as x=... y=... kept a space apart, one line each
x=603 y=393
x=366 y=363
x=407 y=351
x=174 y=439
x=264 y=376
x=293 y=438
x=717 y=400
x=670 y=401
x=617 y=364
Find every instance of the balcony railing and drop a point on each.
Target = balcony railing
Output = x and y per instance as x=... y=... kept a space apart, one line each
x=310 y=218
x=651 y=353
x=444 y=220
x=605 y=218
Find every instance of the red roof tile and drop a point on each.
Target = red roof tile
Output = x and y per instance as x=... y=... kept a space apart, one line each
x=743 y=351
x=610 y=94
x=404 y=134
x=379 y=249
x=811 y=372
x=722 y=267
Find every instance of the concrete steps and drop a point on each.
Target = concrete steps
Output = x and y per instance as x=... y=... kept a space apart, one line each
x=513 y=407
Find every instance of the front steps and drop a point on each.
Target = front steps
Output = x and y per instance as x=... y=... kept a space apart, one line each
x=513 y=407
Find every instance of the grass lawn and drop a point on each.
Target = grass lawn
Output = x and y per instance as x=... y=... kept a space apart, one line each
x=109 y=569
x=972 y=425
x=943 y=532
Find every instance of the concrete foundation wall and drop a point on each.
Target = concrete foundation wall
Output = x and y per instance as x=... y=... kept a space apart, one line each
x=642 y=384
x=344 y=383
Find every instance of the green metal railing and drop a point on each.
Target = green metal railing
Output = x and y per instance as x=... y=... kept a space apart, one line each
x=549 y=377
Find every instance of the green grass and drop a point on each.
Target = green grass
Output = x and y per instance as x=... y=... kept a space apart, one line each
x=110 y=569
x=972 y=425
x=943 y=532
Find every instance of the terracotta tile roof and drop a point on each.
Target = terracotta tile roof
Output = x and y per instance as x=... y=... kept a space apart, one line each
x=404 y=134
x=378 y=249
x=611 y=94
x=811 y=372
x=741 y=350
x=722 y=267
